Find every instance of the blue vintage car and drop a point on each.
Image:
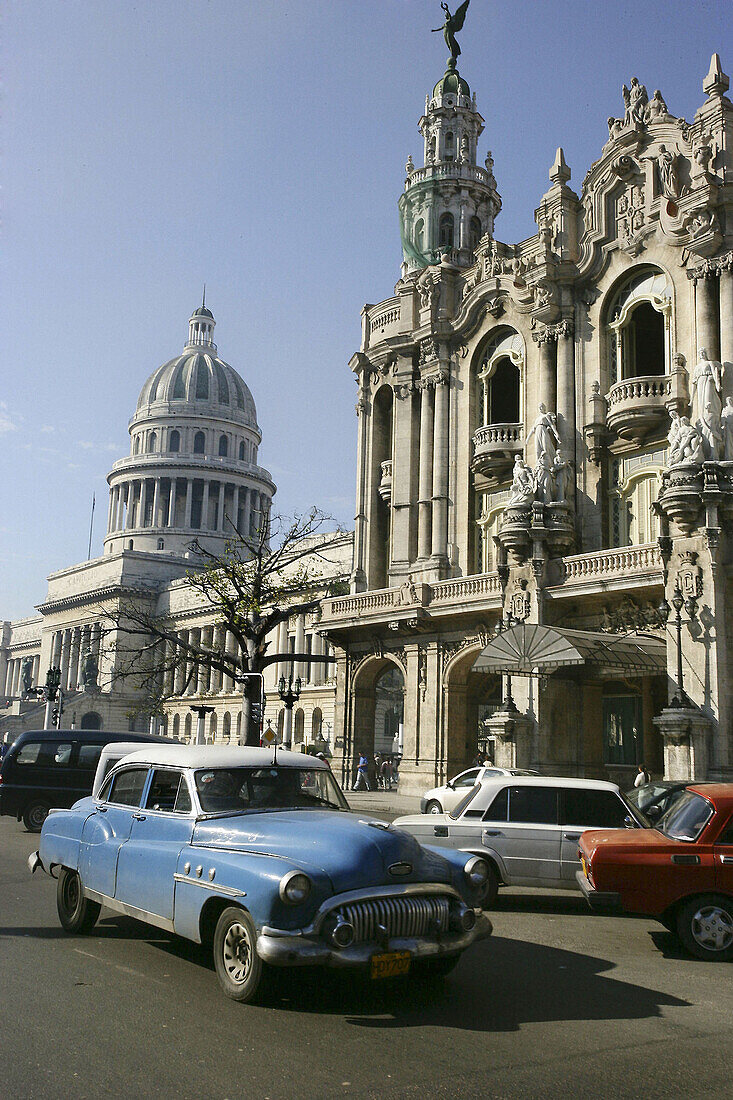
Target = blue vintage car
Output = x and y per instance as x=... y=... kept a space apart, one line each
x=255 y=852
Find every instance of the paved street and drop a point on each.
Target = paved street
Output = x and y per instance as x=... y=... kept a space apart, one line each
x=557 y=1002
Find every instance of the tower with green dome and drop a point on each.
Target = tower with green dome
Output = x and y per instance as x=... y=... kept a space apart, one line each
x=450 y=202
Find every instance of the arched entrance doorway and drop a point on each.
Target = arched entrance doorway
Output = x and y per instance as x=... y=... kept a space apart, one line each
x=377 y=702
x=470 y=699
x=91 y=721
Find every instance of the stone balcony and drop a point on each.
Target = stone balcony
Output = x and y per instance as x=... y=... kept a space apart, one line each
x=640 y=407
x=494 y=447
x=383 y=321
x=385 y=485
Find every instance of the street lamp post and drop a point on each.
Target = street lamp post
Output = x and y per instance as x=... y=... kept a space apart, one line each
x=289 y=692
x=53 y=681
x=201 y=712
x=504 y=624
x=681 y=698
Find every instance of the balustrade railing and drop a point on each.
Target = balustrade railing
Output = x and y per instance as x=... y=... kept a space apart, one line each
x=483 y=584
x=634 y=390
x=498 y=435
x=620 y=562
x=448 y=170
x=385 y=314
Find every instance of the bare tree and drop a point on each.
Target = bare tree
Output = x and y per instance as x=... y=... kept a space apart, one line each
x=249 y=589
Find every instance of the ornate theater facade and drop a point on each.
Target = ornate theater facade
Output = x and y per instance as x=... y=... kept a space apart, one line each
x=545 y=461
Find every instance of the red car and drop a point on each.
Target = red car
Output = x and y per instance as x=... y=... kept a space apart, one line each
x=680 y=872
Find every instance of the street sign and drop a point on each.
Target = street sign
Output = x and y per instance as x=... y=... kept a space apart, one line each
x=269 y=737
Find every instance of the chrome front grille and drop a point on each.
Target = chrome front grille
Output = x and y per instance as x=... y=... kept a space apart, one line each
x=400 y=916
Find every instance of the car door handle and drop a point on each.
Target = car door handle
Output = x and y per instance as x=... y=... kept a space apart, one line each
x=571 y=836
x=138 y=817
x=726 y=859
x=101 y=809
x=492 y=832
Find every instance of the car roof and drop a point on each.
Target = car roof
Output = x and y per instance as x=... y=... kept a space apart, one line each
x=719 y=793
x=547 y=781
x=220 y=756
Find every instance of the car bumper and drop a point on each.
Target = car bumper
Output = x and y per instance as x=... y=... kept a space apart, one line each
x=423 y=805
x=600 y=901
x=288 y=949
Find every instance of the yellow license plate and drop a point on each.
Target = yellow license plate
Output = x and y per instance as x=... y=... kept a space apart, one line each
x=390 y=964
x=582 y=864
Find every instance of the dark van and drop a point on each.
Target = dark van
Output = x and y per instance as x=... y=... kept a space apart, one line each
x=45 y=768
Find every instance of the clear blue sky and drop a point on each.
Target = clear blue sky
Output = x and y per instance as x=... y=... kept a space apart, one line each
x=147 y=147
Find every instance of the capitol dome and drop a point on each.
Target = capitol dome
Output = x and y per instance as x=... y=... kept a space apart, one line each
x=192 y=471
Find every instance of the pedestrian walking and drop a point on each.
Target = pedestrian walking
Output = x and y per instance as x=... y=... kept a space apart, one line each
x=377 y=770
x=642 y=776
x=362 y=774
x=386 y=774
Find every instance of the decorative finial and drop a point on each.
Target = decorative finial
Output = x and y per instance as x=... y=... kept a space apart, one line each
x=559 y=173
x=716 y=83
x=453 y=23
x=203 y=298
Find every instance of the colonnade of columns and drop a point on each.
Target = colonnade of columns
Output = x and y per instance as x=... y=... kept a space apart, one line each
x=713 y=294
x=183 y=675
x=12 y=683
x=184 y=502
x=302 y=642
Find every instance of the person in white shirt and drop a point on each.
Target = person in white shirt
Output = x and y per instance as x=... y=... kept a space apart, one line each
x=642 y=776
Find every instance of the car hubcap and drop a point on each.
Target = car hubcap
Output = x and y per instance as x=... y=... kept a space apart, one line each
x=712 y=928
x=237 y=953
x=435 y=808
x=37 y=816
x=72 y=893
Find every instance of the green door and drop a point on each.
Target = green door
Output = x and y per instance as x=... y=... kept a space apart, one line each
x=621 y=728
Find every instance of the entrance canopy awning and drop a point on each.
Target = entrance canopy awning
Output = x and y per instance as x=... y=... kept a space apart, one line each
x=527 y=648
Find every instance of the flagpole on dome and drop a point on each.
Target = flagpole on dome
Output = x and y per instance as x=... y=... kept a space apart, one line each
x=91 y=526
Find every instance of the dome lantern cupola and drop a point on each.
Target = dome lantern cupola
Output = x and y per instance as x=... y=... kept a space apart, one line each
x=201 y=327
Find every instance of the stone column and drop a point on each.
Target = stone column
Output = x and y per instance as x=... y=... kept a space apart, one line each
x=228 y=682
x=244 y=529
x=566 y=386
x=220 y=507
x=216 y=674
x=36 y=670
x=208 y=642
x=110 y=509
x=205 y=507
x=58 y=641
x=189 y=502
x=440 y=467
x=202 y=669
x=282 y=647
x=425 y=501
x=180 y=677
x=706 y=311
x=156 y=503
x=74 y=659
x=130 y=505
x=726 y=323
x=548 y=371
x=65 y=655
x=172 y=503
x=235 y=507
x=300 y=645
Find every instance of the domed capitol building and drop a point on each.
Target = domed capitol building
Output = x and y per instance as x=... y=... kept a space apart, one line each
x=542 y=543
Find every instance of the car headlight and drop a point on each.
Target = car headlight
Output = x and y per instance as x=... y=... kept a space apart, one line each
x=476 y=872
x=294 y=888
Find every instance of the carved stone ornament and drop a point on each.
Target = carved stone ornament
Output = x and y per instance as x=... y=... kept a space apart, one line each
x=428 y=350
x=403 y=390
x=689 y=575
x=519 y=604
x=360 y=406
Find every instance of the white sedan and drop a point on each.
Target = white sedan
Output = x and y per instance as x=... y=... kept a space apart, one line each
x=443 y=799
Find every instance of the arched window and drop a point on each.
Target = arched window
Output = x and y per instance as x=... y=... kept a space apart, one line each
x=152 y=442
x=212 y=728
x=176 y=725
x=130 y=545
x=316 y=724
x=223 y=446
x=174 y=441
x=91 y=721
x=136 y=445
x=161 y=544
x=226 y=727
x=419 y=234
x=199 y=443
x=449 y=148
x=299 y=726
x=475 y=232
x=500 y=379
x=239 y=726
x=637 y=327
x=241 y=452
x=280 y=723
x=389 y=701
x=187 y=729
x=445 y=236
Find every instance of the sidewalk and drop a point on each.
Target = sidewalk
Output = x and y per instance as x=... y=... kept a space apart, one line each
x=383 y=802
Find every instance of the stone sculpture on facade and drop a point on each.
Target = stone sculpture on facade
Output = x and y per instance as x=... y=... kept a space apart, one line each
x=706 y=382
x=685 y=443
x=452 y=24
x=89 y=672
x=668 y=177
x=561 y=477
x=726 y=425
x=26 y=676
x=545 y=432
x=657 y=107
x=521 y=493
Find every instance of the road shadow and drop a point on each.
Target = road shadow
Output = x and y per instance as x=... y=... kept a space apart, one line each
x=670 y=947
x=560 y=904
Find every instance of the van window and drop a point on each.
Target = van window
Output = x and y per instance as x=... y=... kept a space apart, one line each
x=62 y=755
x=29 y=753
x=593 y=809
x=533 y=805
x=127 y=787
x=89 y=756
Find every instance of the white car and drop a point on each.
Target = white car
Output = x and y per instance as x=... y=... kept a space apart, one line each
x=443 y=799
x=526 y=827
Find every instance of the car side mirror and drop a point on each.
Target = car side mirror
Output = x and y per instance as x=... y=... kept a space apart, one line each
x=654 y=813
x=629 y=822
x=450 y=784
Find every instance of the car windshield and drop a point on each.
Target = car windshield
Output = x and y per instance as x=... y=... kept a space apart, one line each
x=647 y=795
x=242 y=790
x=687 y=818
